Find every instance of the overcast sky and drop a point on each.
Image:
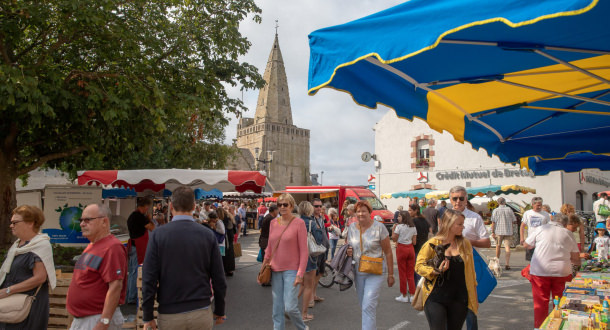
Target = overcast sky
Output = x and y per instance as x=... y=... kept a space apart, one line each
x=340 y=130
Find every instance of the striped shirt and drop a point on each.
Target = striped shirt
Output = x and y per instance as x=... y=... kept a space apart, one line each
x=503 y=217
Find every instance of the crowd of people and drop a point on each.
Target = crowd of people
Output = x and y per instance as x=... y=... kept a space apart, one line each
x=187 y=276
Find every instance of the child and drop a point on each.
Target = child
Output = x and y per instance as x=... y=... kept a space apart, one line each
x=602 y=241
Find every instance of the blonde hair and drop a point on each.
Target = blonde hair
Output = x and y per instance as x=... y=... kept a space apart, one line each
x=287 y=198
x=305 y=209
x=449 y=218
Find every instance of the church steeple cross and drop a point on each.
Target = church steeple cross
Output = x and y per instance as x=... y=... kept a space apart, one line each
x=276 y=26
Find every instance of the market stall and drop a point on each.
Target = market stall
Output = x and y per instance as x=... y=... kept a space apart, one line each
x=585 y=301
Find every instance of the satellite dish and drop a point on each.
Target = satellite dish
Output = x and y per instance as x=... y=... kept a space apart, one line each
x=366 y=156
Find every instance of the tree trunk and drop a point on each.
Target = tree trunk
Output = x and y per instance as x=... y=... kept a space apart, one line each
x=8 y=202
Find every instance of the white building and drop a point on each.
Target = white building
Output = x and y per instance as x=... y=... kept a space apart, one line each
x=403 y=149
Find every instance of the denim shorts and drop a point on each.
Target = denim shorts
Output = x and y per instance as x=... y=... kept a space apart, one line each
x=312 y=263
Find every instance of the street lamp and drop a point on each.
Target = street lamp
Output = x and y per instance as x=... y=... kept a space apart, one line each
x=322 y=178
x=269 y=159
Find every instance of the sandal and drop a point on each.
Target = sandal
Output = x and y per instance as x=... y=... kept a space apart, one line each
x=307 y=317
x=311 y=304
x=507 y=267
x=316 y=298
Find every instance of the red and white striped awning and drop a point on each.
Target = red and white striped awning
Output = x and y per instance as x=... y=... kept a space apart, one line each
x=157 y=180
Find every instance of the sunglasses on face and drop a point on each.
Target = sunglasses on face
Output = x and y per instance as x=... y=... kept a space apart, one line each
x=283 y=204
x=87 y=220
x=316 y=206
x=461 y=198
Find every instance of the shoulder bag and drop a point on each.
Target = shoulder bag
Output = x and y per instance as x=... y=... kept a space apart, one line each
x=264 y=275
x=369 y=264
x=314 y=248
x=16 y=307
x=418 y=298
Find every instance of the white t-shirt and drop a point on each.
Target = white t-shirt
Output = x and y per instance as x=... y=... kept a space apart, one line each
x=405 y=233
x=596 y=204
x=474 y=228
x=534 y=221
x=602 y=246
x=553 y=243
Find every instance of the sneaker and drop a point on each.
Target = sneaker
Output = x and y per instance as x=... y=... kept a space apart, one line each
x=402 y=298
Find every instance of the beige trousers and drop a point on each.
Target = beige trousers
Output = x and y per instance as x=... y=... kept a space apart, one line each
x=195 y=320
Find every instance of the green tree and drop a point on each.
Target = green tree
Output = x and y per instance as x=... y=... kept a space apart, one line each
x=111 y=84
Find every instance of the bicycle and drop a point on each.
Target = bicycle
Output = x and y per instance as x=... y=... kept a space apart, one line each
x=328 y=276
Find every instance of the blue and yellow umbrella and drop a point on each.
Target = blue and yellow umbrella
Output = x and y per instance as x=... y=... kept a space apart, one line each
x=517 y=78
x=570 y=163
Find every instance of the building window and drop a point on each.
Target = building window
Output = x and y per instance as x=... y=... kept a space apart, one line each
x=423 y=154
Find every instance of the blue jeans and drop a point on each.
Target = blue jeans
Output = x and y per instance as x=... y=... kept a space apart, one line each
x=472 y=322
x=368 y=287
x=333 y=247
x=260 y=222
x=132 y=278
x=285 y=299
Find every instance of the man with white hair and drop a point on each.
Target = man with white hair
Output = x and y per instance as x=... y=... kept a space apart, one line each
x=502 y=220
x=98 y=285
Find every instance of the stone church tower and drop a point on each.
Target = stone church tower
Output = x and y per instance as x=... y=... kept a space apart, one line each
x=272 y=132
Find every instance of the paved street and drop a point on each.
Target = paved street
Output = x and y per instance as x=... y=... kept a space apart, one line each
x=249 y=305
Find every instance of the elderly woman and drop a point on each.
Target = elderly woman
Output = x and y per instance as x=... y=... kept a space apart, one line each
x=371 y=239
x=287 y=254
x=309 y=279
x=551 y=265
x=579 y=233
x=450 y=289
x=28 y=267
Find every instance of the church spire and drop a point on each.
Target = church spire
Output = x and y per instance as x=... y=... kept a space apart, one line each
x=273 y=99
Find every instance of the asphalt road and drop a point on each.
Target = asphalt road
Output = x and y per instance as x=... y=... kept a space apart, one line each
x=249 y=305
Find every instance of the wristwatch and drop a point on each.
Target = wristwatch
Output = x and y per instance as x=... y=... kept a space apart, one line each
x=105 y=321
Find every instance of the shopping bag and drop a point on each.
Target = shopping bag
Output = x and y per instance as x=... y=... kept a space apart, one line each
x=486 y=281
x=237 y=249
x=260 y=255
x=603 y=210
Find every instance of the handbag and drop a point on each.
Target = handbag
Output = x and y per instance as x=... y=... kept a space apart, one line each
x=264 y=274
x=603 y=210
x=16 y=308
x=418 y=298
x=314 y=248
x=336 y=231
x=237 y=249
x=368 y=264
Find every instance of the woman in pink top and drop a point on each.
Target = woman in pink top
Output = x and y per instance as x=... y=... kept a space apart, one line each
x=288 y=260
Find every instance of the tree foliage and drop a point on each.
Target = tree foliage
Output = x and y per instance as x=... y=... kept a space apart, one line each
x=113 y=84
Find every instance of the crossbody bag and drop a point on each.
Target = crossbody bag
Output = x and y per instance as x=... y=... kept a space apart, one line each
x=368 y=264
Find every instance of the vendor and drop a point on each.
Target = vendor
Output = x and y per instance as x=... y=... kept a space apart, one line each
x=551 y=267
x=138 y=223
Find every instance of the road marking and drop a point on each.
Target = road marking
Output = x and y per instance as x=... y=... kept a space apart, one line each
x=253 y=255
x=509 y=283
x=510 y=297
x=400 y=325
x=253 y=251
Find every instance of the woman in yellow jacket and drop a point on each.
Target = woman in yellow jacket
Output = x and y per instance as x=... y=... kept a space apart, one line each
x=450 y=291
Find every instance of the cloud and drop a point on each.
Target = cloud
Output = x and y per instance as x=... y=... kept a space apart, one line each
x=340 y=130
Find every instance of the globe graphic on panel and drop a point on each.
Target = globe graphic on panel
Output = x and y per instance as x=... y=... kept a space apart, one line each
x=68 y=220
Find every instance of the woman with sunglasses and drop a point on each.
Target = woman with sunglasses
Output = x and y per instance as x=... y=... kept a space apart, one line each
x=287 y=254
x=450 y=289
x=28 y=267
